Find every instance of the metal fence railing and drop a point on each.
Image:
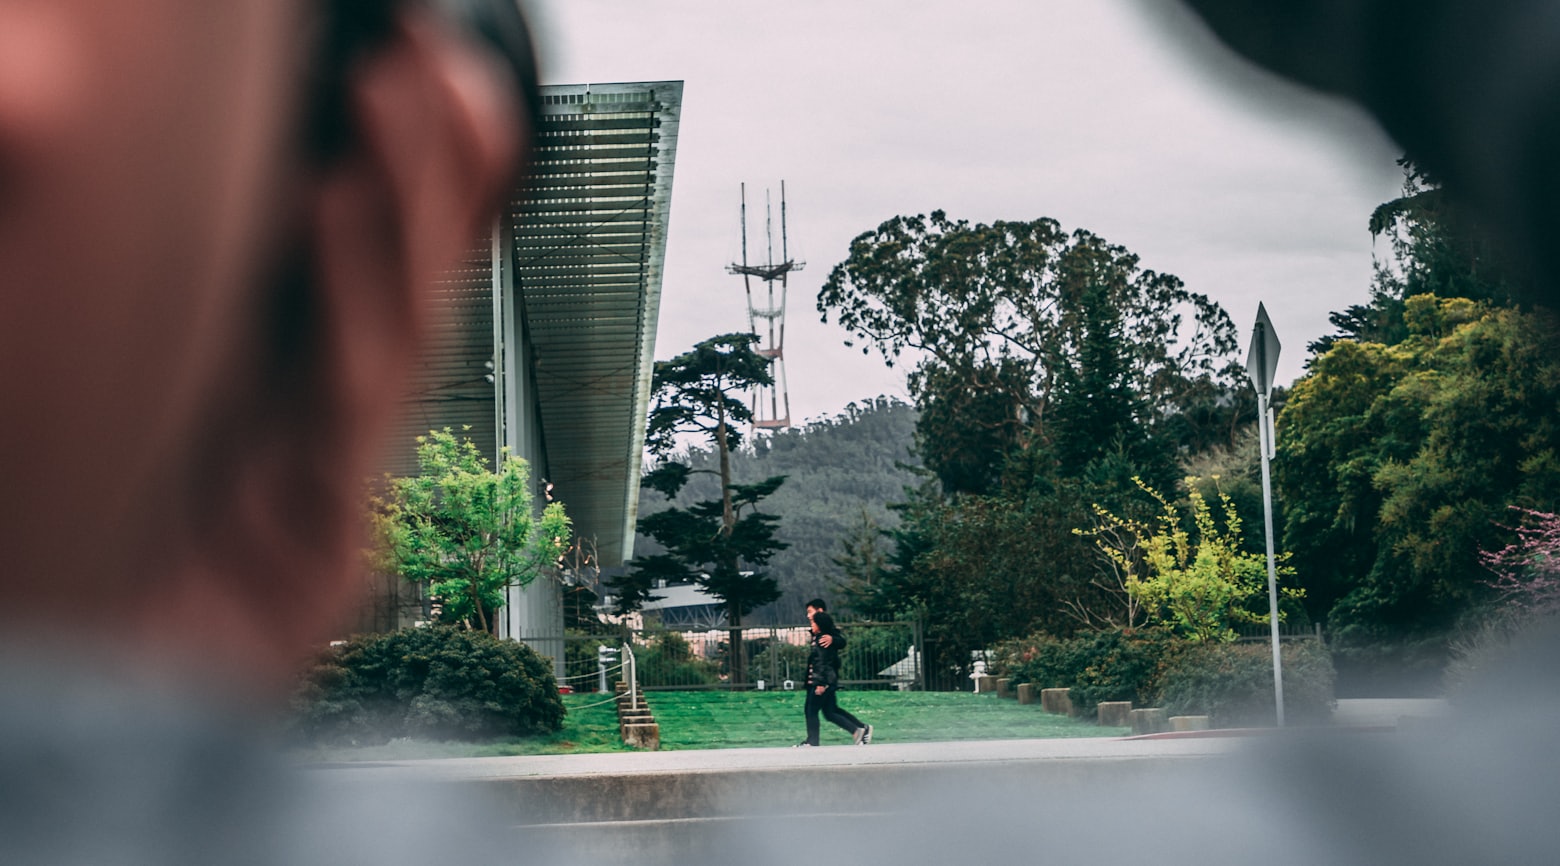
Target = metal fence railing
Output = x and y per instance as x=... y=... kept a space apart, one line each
x=1253 y=632
x=877 y=655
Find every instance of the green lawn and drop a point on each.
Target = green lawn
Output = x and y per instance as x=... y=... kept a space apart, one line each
x=723 y=720
x=727 y=720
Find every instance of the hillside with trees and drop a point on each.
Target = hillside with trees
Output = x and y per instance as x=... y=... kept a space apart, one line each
x=838 y=471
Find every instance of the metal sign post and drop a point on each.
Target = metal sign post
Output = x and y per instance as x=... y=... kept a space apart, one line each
x=1261 y=363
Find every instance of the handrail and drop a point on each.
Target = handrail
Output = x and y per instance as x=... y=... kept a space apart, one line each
x=632 y=667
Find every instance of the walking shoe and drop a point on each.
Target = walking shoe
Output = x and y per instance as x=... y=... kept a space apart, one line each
x=866 y=736
x=859 y=735
x=802 y=745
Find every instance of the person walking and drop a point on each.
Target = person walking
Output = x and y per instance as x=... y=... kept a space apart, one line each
x=822 y=683
x=834 y=639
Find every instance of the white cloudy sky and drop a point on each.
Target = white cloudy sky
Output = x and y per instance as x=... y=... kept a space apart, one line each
x=1118 y=116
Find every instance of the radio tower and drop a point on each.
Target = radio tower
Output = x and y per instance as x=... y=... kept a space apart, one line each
x=768 y=402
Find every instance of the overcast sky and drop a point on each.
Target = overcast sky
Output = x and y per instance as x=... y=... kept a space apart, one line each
x=1118 y=116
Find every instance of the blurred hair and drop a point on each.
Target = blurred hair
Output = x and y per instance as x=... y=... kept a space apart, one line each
x=824 y=621
x=350 y=29
x=817 y=603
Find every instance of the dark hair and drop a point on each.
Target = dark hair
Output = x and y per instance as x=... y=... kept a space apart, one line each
x=349 y=29
x=817 y=603
x=825 y=622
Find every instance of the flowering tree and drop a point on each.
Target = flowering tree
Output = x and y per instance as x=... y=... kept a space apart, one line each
x=1527 y=571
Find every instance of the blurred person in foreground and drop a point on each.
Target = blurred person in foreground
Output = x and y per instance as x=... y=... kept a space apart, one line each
x=217 y=221
x=1471 y=91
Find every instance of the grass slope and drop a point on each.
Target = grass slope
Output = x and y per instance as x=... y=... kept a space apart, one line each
x=728 y=720
x=723 y=720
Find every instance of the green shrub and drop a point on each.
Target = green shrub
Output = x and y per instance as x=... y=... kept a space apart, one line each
x=668 y=660
x=778 y=660
x=1113 y=665
x=870 y=649
x=430 y=683
x=1233 y=683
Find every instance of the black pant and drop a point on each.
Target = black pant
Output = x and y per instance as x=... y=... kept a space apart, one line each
x=828 y=705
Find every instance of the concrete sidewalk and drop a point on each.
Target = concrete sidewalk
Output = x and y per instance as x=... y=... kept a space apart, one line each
x=707 y=805
x=723 y=806
x=1372 y=713
x=883 y=755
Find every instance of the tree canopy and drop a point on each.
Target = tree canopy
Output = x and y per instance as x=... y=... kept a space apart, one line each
x=1000 y=323
x=1397 y=461
x=719 y=543
x=1049 y=370
x=466 y=530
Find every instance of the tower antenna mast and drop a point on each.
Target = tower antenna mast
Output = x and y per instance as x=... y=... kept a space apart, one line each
x=766 y=313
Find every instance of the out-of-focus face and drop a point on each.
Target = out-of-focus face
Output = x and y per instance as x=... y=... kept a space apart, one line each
x=204 y=322
x=811 y=622
x=144 y=154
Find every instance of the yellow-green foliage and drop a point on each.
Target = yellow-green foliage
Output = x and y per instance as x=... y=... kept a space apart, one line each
x=466 y=529
x=1198 y=582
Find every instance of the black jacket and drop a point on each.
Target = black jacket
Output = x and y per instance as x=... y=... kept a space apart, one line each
x=823 y=665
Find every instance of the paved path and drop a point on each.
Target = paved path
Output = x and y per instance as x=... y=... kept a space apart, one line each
x=734 y=805
x=1364 y=713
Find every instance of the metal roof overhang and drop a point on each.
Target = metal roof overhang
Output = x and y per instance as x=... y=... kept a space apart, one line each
x=583 y=247
x=589 y=245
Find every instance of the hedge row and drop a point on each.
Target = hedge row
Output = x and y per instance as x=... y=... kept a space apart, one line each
x=436 y=683
x=1230 y=682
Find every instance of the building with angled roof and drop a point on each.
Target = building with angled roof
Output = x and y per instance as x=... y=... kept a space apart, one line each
x=546 y=334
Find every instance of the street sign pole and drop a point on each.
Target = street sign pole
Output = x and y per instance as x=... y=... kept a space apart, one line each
x=1261 y=363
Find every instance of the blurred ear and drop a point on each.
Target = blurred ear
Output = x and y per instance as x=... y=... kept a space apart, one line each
x=436 y=141
x=434 y=146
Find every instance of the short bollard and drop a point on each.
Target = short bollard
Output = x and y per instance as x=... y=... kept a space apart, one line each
x=1188 y=723
x=1151 y=720
x=1058 y=701
x=1004 y=687
x=1026 y=693
x=985 y=684
x=1114 y=714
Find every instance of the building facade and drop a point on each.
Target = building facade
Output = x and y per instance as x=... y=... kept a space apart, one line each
x=545 y=341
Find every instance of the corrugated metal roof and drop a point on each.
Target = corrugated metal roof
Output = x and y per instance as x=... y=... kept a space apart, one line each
x=588 y=242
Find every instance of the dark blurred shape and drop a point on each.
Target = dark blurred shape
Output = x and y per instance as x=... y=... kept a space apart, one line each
x=350 y=29
x=1470 y=90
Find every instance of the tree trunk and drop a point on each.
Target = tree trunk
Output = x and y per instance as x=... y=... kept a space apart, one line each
x=738 y=657
x=728 y=521
x=476 y=604
x=728 y=514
